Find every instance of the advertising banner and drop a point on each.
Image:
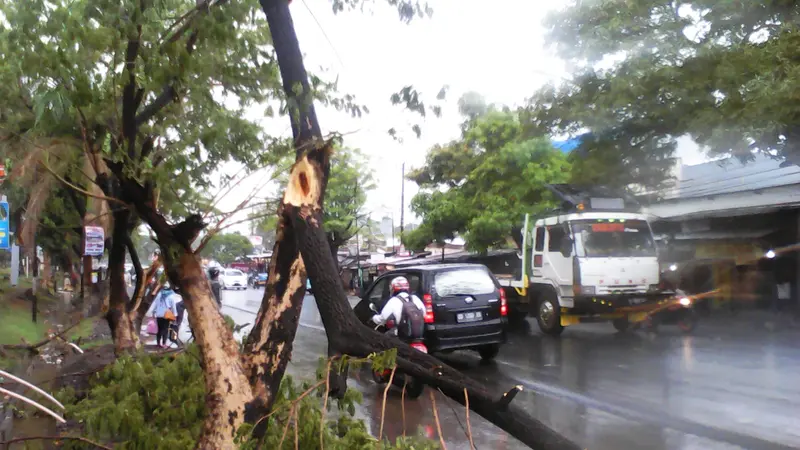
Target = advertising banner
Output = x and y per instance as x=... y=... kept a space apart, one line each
x=5 y=238
x=256 y=241
x=93 y=238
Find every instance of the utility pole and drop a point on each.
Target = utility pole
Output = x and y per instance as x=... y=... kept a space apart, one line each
x=358 y=263
x=402 y=199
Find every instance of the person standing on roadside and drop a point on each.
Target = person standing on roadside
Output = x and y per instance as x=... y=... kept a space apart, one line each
x=164 y=312
x=216 y=287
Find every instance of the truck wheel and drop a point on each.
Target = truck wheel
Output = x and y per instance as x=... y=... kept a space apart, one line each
x=622 y=324
x=549 y=315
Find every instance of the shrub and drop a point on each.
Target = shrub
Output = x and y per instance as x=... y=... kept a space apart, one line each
x=153 y=402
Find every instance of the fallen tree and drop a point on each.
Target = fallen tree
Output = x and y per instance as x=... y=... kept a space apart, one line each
x=242 y=386
x=300 y=217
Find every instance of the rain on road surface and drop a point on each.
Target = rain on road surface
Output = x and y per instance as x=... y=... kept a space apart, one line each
x=724 y=387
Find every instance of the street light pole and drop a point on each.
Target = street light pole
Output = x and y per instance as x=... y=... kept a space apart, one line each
x=402 y=199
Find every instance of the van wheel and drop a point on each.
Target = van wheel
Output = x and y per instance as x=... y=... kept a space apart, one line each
x=549 y=314
x=622 y=324
x=489 y=352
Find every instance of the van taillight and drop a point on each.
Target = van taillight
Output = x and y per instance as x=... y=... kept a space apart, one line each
x=428 y=299
x=503 y=303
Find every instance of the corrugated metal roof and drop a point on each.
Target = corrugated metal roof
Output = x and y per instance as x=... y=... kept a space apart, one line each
x=731 y=175
x=728 y=188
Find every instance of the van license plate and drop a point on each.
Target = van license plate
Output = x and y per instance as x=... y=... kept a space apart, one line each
x=469 y=317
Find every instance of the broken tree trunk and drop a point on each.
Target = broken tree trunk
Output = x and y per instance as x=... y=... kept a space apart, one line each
x=227 y=387
x=269 y=344
x=302 y=204
x=120 y=320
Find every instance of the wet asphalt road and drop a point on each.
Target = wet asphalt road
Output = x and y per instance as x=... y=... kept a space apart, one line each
x=729 y=385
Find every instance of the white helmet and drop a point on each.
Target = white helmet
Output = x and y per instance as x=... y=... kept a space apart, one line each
x=399 y=284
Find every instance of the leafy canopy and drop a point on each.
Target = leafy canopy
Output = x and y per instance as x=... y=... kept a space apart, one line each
x=63 y=65
x=225 y=248
x=481 y=185
x=724 y=73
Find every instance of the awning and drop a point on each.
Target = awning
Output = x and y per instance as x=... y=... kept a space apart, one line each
x=724 y=234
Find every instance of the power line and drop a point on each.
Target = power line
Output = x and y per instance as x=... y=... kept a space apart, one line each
x=699 y=188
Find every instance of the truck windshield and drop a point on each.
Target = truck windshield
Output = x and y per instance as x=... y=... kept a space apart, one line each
x=620 y=238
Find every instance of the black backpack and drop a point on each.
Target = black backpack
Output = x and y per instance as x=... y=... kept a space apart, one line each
x=412 y=324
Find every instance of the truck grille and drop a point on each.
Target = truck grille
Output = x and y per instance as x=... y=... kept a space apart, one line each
x=622 y=289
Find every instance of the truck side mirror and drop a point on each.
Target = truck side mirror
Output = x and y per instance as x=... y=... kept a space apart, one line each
x=566 y=247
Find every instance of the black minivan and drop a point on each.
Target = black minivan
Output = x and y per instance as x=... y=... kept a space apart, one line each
x=465 y=306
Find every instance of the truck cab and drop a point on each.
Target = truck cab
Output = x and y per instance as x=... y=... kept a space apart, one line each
x=593 y=259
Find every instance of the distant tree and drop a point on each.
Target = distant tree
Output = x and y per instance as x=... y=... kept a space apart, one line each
x=481 y=185
x=226 y=248
x=720 y=72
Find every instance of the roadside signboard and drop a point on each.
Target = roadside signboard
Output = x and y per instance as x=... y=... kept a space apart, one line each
x=5 y=240
x=93 y=238
x=256 y=241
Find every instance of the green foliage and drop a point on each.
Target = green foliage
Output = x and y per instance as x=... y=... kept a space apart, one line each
x=482 y=184
x=63 y=76
x=150 y=402
x=348 y=184
x=225 y=248
x=724 y=73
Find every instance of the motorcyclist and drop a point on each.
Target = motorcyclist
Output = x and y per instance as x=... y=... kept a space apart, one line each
x=400 y=307
x=216 y=287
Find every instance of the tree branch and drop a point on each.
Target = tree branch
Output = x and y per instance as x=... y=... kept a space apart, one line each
x=8 y=443
x=168 y=92
x=137 y=265
x=129 y=105
x=76 y=188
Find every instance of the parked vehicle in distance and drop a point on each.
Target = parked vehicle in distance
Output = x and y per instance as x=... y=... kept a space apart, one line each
x=465 y=306
x=233 y=279
x=258 y=280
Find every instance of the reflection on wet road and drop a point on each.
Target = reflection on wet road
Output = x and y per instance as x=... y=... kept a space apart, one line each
x=721 y=388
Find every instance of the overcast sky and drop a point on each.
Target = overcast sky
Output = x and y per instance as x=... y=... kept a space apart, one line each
x=495 y=48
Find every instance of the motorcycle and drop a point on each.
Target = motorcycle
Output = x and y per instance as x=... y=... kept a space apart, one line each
x=413 y=387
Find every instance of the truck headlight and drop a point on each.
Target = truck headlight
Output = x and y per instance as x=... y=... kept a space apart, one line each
x=685 y=301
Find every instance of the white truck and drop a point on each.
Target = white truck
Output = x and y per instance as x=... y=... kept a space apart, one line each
x=593 y=259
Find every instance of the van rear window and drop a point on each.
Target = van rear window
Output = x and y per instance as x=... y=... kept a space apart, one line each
x=464 y=282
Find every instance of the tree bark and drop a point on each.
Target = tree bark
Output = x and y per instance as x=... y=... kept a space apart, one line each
x=143 y=299
x=227 y=386
x=120 y=320
x=269 y=344
x=334 y=245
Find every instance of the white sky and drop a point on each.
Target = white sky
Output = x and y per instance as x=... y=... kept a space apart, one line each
x=495 y=48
